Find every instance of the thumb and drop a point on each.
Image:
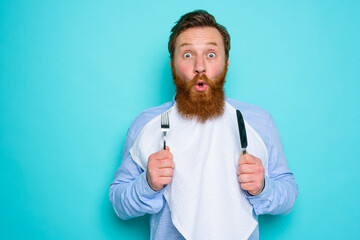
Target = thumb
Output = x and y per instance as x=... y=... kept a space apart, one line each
x=167 y=148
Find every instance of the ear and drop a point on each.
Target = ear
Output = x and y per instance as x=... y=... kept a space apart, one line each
x=227 y=62
x=172 y=63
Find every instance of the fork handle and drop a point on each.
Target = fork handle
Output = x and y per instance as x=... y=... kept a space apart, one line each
x=165 y=141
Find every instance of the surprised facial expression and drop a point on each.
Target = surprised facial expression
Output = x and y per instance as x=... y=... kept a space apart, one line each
x=199 y=51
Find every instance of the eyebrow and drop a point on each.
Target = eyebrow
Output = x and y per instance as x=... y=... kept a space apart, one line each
x=208 y=43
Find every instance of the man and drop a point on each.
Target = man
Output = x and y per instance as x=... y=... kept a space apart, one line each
x=201 y=187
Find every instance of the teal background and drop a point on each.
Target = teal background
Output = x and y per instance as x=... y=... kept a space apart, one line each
x=74 y=74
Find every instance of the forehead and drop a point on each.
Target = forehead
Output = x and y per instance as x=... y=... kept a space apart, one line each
x=200 y=36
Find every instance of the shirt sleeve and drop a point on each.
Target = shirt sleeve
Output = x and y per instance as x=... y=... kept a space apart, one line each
x=281 y=190
x=130 y=194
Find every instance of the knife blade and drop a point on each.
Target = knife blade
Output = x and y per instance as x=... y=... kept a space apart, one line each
x=242 y=132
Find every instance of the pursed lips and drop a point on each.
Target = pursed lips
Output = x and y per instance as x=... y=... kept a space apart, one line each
x=200 y=86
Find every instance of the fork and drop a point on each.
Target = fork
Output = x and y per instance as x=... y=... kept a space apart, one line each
x=165 y=125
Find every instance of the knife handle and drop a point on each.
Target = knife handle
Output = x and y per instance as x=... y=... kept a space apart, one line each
x=243 y=151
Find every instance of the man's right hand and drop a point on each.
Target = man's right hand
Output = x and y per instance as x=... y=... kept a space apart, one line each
x=160 y=169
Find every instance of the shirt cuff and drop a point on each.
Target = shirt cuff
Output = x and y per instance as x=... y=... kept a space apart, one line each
x=264 y=195
x=143 y=188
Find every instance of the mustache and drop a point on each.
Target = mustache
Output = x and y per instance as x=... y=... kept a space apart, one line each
x=213 y=84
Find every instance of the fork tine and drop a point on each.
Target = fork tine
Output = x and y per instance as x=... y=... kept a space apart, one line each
x=167 y=119
x=167 y=115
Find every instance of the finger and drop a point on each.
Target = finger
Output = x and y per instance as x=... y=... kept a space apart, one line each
x=247 y=158
x=168 y=154
x=165 y=163
x=253 y=188
x=165 y=180
x=162 y=154
x=247 y=186
x=167 y=148
x=246 y=168
x=247 y=178
x=166 y=172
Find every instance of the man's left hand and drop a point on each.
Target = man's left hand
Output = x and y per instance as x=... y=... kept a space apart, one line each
x=251 y=174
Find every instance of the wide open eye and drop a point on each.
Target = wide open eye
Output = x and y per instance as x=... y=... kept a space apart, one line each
x=211 y=55
x=187 y=55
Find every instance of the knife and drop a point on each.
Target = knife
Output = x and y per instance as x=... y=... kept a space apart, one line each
x=242 y=132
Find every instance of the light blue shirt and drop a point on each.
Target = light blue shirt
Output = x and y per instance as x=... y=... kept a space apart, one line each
x=131 y=195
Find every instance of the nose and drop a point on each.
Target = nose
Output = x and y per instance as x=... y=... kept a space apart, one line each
x=199 y=67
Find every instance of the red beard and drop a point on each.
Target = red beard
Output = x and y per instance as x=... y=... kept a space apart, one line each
x=201 y=106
